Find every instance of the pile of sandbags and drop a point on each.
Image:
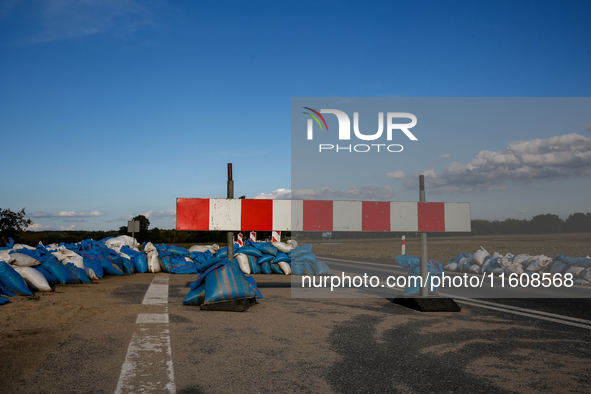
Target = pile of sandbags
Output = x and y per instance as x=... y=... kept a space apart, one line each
x=481 y=262
x=413 y=286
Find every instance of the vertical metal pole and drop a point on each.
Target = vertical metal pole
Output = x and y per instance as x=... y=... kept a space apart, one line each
x=424 y=289
x=230 y=236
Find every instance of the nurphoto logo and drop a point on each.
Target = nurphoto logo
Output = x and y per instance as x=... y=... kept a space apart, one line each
x=345 y=130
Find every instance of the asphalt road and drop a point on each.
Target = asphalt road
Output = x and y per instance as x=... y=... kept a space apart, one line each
x=132 y=334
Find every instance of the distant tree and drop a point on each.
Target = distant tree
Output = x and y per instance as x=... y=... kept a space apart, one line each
x=546 y=224
x=12 y=224
x=144 y=223
x=123 y=230
x=578 y=223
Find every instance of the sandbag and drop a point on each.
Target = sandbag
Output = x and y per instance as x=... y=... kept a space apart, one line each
x=267 y=258
x=308 y=257
x=284 y=267
x=61 y=273
x=137 y=258
x=128 y=266
x=203 y=248
x=223 y=252
x=254 y=266
x=297 y=269
x=153 y=262
x=249 y=250
x=321 y=269
x=451 y=267
x=91 y=274
x=79 y=273
x=407 y=261
x=300 y=251
x=537 y=263
x=293 y=243
x=479 y=256
x=196 y=296
x=91 y=261
x=177 y=250
x=266 y=268
x=282 y=247
x=265 y=248
x=12 y=280
x=275 y=269
x=164 y=259
x=514 y=268
x=3 y=300
x=226 y=283
x=242 y=260
x=253 y=286
x=48 y=277
x=308 y=268
x=282 y=257
x=575 y=271
x=474 y=269
x=23 y=260
x=109 y=266
x=434 y=268
x=557 y=267
x=34 y=279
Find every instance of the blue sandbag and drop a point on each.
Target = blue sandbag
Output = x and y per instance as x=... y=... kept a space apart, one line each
x=211 y=262
x=297 y=269
x=79 y=272
x=322 y=269
x=282 y=257
x=137 y=258
x=3 y=300
x=187 y=269
x=570 y=261
x=91 y=261
x=306 y=258
x=48 y=277
x=61 y=273
x=195 y=297
x=275 y=269
x=5 y=291
x=128 y=266
x=254 y=266
x=164 y=260
x=300 y=251
x=558 y=267
x=109 y=267
x=266 y=268
x=265 y=248
x=434 y=268
x=177 y=250
x=223 y=252
x=250 y=251
x=308 y=268
x=253 y=286
x=407 y=261
x=201 y=276
x=265 y=258
x=227 y=283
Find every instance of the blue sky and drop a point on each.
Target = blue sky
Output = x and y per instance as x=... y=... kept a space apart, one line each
x=116 y=108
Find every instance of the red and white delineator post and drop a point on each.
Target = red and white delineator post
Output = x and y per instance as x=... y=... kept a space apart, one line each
x=240 y=241
x=403 y=244
x=276 y=237
x=253 y=236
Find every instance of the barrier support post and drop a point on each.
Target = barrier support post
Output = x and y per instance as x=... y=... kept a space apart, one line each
x=230 y=236
x=424 y=288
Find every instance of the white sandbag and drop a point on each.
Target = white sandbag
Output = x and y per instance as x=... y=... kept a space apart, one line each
x=22 y=246
x=284 y=267
x=293 y=243
x=451 y=267
x=498 y=271
x=537 y=263
x=52 y=246
x=153 y=263
x=35 y=279
x=514 y=268
x=581 y=282
x=282 y=246
x=90 y=273
x=66 y=256
x=118 y=242
x=586 y=274
x=5 y=256
x=242 y=260
x=204 y=248
x=474 y=269
x=504 y=262
x=575 y=271
x=479 y=256
x=23 y=260
x=521 y=258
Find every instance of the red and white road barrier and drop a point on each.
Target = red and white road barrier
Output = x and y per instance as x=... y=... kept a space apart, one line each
x=276 y=237
x=240 y=241
x=205 y=214
x=253 y=236
x=403 y=244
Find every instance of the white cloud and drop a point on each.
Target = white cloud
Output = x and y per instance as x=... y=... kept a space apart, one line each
x=587 y=126
x=64 y=215
x=398 y=174
x=39 y=227
x=279 y=194
x=560 y=157
x=445 y=156
x=149 y=215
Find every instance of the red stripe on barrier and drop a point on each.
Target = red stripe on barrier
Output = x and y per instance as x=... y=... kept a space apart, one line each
x=431 y=216
x=375 y=216
x=257 y=215
x=317 y=215
x=192 y=214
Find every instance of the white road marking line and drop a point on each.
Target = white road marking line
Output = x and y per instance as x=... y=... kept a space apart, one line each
x=143 y=318
x=568 y=323
x=145 y=369
x=148 y=362
x=158 y=291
